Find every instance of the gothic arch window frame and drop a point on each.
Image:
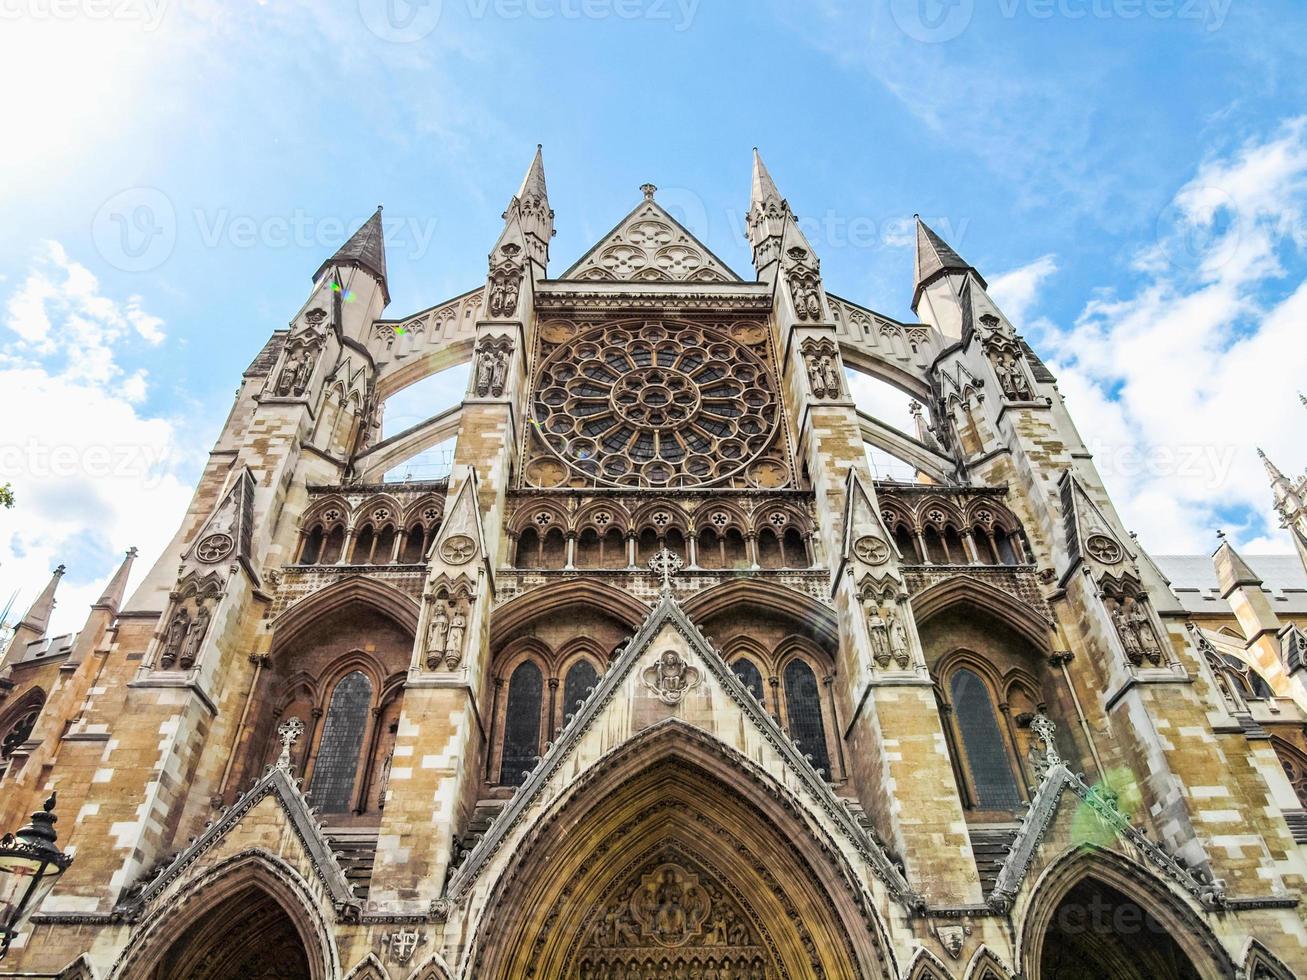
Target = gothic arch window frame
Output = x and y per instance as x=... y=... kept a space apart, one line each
x=747 y=648
x=315 y=518
x=580 y=650
x=12 y=722
x=506 y=664
x=1287 y=754
x=795 y=648
x=996 y=687
x=384 y=689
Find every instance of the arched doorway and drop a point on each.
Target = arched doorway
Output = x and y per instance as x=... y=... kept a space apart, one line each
x=673 y=862
x=1098 y=932
x=248 y=936
x=1097 y=913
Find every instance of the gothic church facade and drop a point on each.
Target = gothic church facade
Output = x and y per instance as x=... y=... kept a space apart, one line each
x=661 y=682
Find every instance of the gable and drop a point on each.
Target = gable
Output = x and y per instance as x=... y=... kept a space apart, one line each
x=649 y=245
x=669 y=681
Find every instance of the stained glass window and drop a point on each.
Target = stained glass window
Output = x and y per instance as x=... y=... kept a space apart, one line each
x=747 y=671
x=982 y=743
x=803 y=699
x=521 y=725
x=581 y=676
x=332 y=787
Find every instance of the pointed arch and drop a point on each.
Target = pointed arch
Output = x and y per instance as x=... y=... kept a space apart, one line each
x=433 y=968
x=1259 y=963
x=517 y=612
x=79 y=969
x=925 y=965
x=368 y=968
x=985 y=965
x=1177 y=914
x=819 y=620
x=308 y=612
x=961 y=590
x=675 y=787
x=253 y=872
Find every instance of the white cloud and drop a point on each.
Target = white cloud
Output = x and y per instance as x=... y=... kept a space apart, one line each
x=1175 y=384
x=92 y=472
x=1015 y=291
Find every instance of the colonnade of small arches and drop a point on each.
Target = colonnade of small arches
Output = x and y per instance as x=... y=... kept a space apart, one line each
x=716 y=536
x=935 y=531
x=380 y=531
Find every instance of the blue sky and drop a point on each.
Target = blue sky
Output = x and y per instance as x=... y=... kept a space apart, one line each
x=1129 y=174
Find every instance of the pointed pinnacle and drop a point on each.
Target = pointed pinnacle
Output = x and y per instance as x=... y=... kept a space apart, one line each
x=38 y=614
x=366 y=249
x=1272 y=470
x=117 y=587
x=763 y=187
x=533 y=184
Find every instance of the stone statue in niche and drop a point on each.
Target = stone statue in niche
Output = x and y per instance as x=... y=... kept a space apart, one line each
x=194 y=638
x=175 y=639
x=898 y=640
x=436 y=634
x=293 y=378
x=1143 y=627
x=816 y=378
x=831 y=375
x=1011 y=378
x=879 y=631
x=1135 y=628
x=807 y=299
x=492 y=366
x=821 y=359
x=454 y=641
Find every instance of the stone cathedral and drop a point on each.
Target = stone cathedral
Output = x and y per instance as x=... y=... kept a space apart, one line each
x=662 y=682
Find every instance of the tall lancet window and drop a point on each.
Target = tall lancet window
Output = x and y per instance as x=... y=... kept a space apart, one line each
x=580 y=677
x=336 y=769
x=521 y=725
x=803 y=706
x=747 y=671
x=983 y=746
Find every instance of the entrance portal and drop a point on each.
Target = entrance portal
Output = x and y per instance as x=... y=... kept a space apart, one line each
x=249 y=936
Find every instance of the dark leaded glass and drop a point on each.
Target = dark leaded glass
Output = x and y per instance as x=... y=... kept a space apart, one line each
x=581 y=676
x=982 y=743
x=747 y=671
x=342 y=739
x=521 y=725
x=803 y=699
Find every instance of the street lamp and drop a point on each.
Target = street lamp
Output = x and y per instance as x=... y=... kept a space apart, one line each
x=30 y=864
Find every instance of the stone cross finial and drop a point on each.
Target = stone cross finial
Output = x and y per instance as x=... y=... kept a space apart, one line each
x=289 y=732
x=666 y=564
x=648 y=191
x=1042 y=727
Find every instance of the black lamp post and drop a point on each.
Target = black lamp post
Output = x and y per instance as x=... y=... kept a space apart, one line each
x=30 y=864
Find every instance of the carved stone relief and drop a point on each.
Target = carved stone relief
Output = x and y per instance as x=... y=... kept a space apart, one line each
x=821 y=360
x=493 y=357
x=671 y=677
x=1135 y=627
x=193 y=604
x=505 y=282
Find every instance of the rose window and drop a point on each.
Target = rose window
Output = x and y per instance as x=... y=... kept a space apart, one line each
x=663 y=404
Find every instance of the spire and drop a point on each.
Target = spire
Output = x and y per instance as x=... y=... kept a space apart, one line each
x=764 y=188
x=117 y=587
x=366 y=249
x=1273 y=471
x=529 y=211
x=533 y=184
x=38 y=614
x=769 y=213
x=934 y=259
x=1231 y=570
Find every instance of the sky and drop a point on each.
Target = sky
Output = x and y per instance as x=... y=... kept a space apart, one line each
x=1129 y=175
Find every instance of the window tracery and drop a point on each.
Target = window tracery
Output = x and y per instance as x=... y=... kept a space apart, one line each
x=655 y=404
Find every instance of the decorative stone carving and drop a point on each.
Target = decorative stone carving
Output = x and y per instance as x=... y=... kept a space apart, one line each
x=649 y=246
x=872 y=550
x=454 y=640
x=821 y=358
x=1134 y=626
x=493 y=356
x=193 y=603
x=878 y=629
x=671 y=921
x=1102 y=548
x=437 y=633
x=214 y=547
x=951 y=935
x=898 y=640
x=289 y=732
x=665 y=564
x=1003 y=347
x=458 y=549
x=805 y=286
x=402 y=943
x=174 y=640
x=671 y=677
x=505 y=282
x=298 y=360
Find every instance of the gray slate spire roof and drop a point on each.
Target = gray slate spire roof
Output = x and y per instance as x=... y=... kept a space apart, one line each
x=365 y=249
x=934 y=258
